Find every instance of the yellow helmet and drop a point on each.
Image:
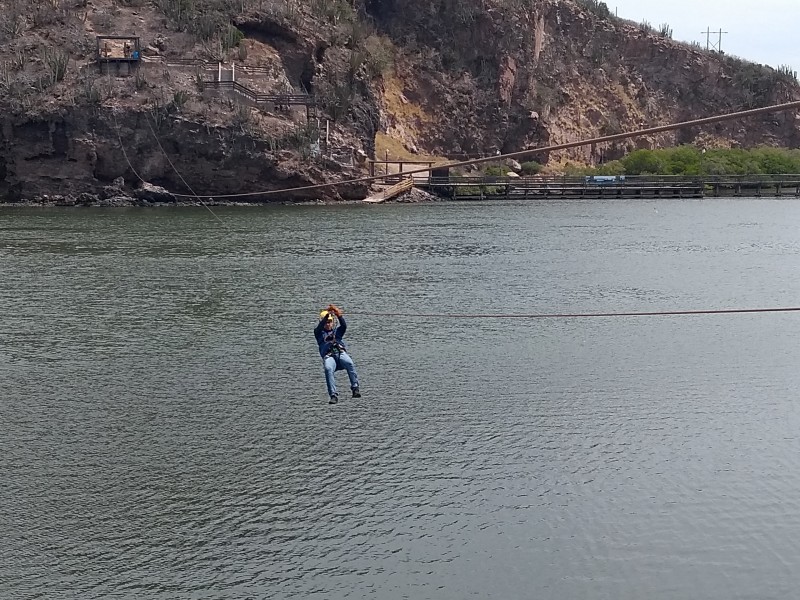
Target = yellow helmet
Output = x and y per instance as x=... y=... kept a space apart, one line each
x=325 y=315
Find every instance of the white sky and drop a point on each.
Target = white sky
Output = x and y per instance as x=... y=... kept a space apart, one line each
x=761 y=31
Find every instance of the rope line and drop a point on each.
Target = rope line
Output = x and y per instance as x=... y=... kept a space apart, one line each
x=136 y=173
x=665 y=313
x=178 y=173
x=523 y=153
x=122 y=146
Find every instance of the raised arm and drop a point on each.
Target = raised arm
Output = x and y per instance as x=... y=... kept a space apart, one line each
x=340 y=330
x=318 y=328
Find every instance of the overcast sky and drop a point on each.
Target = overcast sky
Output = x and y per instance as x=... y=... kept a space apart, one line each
x=762 y=31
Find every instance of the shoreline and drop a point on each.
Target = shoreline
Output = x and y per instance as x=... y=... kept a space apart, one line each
x=162 y=198
x=414 y=196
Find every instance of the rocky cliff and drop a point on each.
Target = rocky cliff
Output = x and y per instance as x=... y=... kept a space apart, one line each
x=446 y=78
x=508 y=75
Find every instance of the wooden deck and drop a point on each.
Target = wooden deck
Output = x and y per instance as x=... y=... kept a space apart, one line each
x=631 y=187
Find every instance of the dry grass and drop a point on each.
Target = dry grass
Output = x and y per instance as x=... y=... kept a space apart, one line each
x=411 y=119
x=396 y=103
x=397 y=151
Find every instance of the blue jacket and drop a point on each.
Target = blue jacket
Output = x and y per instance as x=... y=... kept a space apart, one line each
x=330 y=340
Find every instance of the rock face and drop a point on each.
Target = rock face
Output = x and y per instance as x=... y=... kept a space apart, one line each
x=55 y=153
x=451 y=78
x=71 y=128
x=503 y=75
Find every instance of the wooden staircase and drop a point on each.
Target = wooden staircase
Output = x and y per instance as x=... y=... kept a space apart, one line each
x=391 y=192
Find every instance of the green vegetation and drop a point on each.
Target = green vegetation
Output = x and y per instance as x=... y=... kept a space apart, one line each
x=208 y=20
x=380 y=54
x=787 y=71
x=531 y=168
x=56 y=62
x=355 y=52
x=333 y=11
x=691 y=161
x=302 y=138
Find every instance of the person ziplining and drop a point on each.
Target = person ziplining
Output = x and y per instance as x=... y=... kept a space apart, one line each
x=333 y=351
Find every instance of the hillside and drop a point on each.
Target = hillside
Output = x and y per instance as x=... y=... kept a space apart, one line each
x=447 y=78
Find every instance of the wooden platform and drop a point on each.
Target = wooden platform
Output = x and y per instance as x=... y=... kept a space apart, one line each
x=485 y=188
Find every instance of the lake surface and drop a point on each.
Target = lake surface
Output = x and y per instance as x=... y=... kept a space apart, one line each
x=165 y=432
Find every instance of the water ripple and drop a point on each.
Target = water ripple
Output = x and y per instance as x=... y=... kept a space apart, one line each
x=166 y=434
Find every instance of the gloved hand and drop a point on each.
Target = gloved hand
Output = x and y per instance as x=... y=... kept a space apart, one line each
x=335 y=310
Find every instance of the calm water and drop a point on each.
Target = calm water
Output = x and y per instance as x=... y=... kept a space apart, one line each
x=164 y=430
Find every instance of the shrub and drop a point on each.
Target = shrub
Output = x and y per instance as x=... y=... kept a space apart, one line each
x=643 y=162
x=231 y=37
x=335 y=11
x=596 y=7
x=494 y=172
x=380 y=55
x=531 y=168
x=787 y=71
x=613 y=167
x=179 y=99
x=691 y=161
x=56 y=62
x=683 y=160
x=139 y=80
x=335 y=94
x=12 y=23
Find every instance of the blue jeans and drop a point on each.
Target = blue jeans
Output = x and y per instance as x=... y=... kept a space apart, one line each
x=332 y=365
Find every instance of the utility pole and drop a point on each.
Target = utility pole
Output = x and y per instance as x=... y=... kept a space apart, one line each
x=709 y=44
x=719 y=44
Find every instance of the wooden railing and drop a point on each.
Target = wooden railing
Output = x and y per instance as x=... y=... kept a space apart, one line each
x=732 y=181
x=206 y=64
x=398 y=189
x=258 y=97
x=608 y=187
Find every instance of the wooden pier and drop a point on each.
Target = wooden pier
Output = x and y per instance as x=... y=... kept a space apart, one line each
x=628 y=187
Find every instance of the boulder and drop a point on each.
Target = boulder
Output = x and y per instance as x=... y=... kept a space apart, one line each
x=87 y=199
x=154 y=193
x=109 y=191
x=513 y=165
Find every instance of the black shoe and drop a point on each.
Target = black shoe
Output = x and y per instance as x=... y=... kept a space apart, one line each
x=334 y=399
x=356 y=393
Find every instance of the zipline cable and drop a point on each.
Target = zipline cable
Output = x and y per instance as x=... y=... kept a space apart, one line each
x=665 y=313
x=523 y=153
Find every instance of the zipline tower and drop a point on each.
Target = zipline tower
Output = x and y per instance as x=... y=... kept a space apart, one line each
x=118 y=53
